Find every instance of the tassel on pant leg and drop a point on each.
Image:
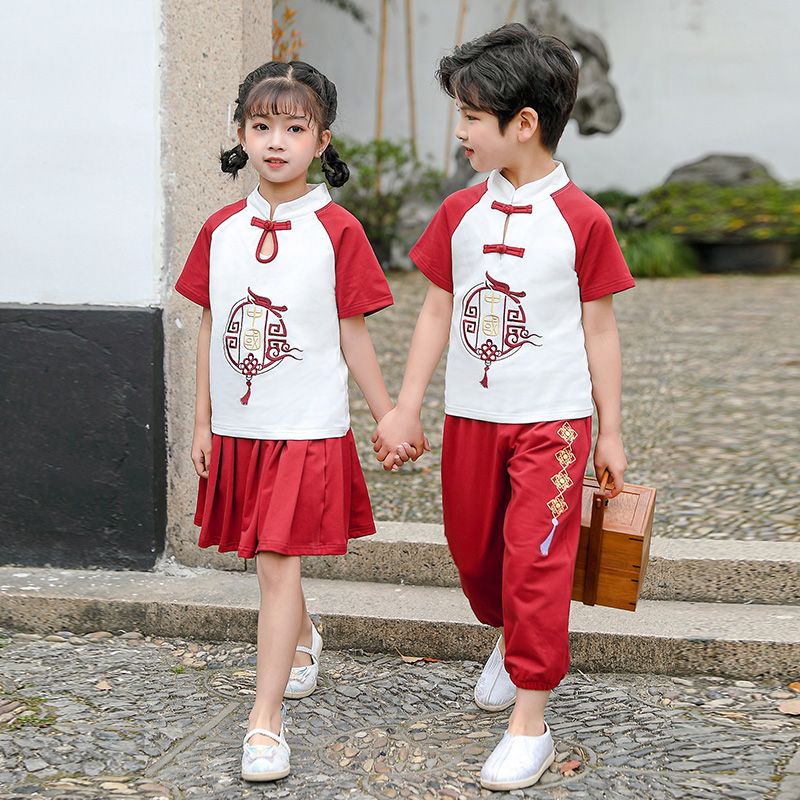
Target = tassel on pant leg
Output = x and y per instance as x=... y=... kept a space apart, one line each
x=544 y=547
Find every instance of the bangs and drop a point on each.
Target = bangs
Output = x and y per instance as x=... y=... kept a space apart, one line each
x=277 y=96
x=463 y=87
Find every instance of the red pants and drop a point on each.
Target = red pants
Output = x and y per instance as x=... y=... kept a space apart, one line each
x=511 y=496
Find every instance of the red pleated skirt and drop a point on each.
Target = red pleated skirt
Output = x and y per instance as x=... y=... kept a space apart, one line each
x=292 y=497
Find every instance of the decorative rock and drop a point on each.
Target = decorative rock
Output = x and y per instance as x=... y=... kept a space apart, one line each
x=722 y=169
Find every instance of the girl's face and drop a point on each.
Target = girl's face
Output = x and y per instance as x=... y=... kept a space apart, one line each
x=281 y=147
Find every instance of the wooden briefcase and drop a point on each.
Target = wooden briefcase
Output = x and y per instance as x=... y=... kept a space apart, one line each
x=615 y=545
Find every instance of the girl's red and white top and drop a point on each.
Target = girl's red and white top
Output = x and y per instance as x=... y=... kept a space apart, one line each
x=276 y=365
x=519 y=262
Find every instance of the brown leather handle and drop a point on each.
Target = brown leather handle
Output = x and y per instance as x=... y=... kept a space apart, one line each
x=595 y=543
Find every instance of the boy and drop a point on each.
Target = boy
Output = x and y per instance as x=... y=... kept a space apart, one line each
x=522 y=269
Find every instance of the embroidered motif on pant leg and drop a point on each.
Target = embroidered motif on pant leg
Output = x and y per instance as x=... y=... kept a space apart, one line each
x=562 y=481
x=493 y=325
x=256 y=327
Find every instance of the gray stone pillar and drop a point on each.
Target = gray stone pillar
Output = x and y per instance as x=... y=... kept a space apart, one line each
x=208 y=46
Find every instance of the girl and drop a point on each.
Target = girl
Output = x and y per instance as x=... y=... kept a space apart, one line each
x=285 y=278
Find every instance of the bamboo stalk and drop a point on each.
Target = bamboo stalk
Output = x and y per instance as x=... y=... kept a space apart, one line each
x=381 y=81
x=462 y=13
x=412 y=103
x=511 y=11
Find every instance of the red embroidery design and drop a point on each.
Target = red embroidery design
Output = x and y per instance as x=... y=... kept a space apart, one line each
x=269 y=226
x=493 y=323
x=256 y=339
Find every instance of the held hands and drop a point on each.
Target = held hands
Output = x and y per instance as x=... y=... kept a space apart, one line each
x=398 y=438
x=201 y=449
x=609 y=454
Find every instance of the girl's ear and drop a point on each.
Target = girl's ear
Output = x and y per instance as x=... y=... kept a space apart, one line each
x=324 y=141
x=528 y=124
x=240 y=134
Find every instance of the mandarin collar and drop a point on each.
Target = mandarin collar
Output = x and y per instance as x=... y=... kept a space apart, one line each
x=502 y=189
x=313 y=200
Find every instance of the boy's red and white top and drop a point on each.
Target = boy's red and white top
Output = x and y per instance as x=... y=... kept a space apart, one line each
x=276 y=365
x=519 y=262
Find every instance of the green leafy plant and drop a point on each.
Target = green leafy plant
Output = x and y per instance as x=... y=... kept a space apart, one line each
x=650 y=254
x=384 y=176
x=706 y=213
x=614 y=201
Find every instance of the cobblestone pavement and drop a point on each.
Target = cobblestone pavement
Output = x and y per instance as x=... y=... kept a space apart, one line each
x=711 y=402
x=102 y=716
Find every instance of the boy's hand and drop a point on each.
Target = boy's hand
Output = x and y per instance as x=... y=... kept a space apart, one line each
x=201 y=449
x=399 y=435
x=609 y=454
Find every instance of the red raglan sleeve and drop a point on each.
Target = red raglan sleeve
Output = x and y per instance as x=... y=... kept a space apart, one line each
x=433 y=252
x=599 y=261
x=193 y=280
x=361 y=286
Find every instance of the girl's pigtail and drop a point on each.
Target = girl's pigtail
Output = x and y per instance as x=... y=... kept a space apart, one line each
x=336 y=171
x=231 y=161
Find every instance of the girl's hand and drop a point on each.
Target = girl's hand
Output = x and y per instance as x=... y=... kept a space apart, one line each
x=609 y=454
x=201 y=449
x=399 y=435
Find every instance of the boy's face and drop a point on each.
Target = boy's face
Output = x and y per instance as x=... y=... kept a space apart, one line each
x=488 y=148
x=484 y=145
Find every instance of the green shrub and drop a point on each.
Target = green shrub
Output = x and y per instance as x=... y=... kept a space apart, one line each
x=614 y=201
x=657 y=255
x=706 y=213
x=403 y=177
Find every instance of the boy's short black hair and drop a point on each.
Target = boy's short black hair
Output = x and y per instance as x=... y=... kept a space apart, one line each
x=510 y=68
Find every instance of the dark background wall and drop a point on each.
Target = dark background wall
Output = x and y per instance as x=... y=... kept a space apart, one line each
x=82 y=444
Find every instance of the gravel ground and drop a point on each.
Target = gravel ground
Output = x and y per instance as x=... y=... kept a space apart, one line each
x=104 y=716
x=711 y=402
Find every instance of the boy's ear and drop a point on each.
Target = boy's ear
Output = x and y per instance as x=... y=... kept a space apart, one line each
x=527 y=124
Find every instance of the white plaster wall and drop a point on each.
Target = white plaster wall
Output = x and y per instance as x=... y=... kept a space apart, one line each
x=79 y=177
x=693 y=76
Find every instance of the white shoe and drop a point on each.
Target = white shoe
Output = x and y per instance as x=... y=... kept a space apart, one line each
x=264 y=762
x=494 y=690
x=303 y=680
x=518 y=761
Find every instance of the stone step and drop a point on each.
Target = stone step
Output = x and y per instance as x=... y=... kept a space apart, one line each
x=661 y=636
x=697 y=570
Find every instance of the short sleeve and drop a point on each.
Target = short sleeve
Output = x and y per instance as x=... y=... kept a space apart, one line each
x=600 y=264
x=193 y=280
x=433 y=252
x=361 y=286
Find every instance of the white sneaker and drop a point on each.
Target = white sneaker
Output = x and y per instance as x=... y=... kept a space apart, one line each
x=518 y=761
x=264 y=762
x=303 y=680
x=494 y=690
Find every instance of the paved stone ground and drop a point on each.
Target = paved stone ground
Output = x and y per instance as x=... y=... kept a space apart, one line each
x=711 y=402
x=102 y=716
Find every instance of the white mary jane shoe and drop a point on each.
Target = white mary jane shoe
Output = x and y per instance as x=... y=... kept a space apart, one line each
x=263 y=762
x=303 y=680
x=494 y=690
x=518 y=761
